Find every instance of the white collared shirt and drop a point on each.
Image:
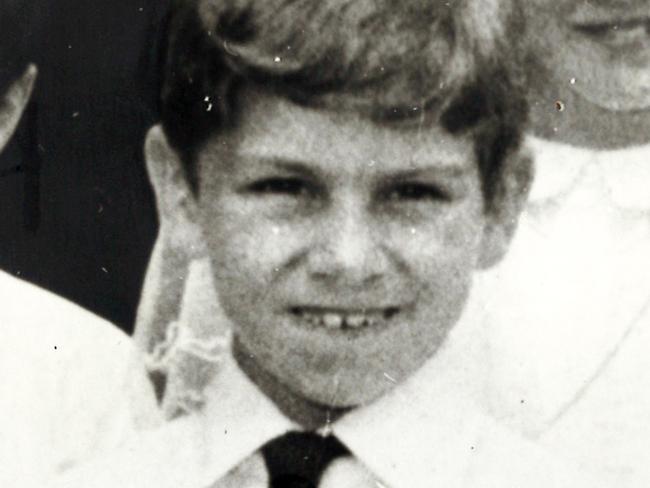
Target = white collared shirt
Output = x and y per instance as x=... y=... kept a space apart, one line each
x=71 y=385
x=563 y=307
x=428 y=431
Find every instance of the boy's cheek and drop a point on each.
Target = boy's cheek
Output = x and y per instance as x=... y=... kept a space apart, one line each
x=260 y=248
x=427 y=246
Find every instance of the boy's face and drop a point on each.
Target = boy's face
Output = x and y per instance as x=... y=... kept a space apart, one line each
x=343 y=249
x=599 y=48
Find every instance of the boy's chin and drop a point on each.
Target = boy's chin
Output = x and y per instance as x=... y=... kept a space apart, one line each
x=342 y=388
x=345 y=395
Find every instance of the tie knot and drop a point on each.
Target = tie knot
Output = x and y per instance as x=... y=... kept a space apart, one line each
x=298 y=459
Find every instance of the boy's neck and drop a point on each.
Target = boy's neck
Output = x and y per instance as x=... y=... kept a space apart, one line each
x=310 y=415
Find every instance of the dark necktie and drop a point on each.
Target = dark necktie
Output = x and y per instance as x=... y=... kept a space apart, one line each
x=298 y=459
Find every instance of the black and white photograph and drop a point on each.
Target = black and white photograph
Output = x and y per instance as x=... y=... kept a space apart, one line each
x=325 y=243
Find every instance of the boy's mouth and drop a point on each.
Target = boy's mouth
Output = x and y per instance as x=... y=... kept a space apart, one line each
x=343 y=319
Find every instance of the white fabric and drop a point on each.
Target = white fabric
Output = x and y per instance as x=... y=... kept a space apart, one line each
x=427 y=432
x=71 y=385
x=568 y=312
x=184 y=344
x=348 y=473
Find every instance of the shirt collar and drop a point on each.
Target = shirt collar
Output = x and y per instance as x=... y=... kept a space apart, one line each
x=238 y=419
x=560 y=168
x=428 y=428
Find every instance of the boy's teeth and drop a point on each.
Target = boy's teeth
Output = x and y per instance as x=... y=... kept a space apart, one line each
x=333 y=320
x=355 y=320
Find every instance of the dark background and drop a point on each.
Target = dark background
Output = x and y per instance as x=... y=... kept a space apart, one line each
x=76 y=209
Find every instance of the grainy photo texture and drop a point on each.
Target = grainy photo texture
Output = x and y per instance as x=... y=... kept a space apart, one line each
x=325 y=243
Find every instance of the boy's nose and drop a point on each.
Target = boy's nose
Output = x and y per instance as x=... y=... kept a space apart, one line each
x=348 y=248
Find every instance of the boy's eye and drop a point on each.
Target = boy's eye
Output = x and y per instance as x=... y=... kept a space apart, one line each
x=281 y=186
x=414 y=191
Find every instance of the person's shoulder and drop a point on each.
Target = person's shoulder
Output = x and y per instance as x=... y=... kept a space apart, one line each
x=35 y=319
x=76 y=383
x=55 y=350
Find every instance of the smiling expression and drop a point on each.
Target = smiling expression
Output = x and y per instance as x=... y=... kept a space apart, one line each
x=343 y=250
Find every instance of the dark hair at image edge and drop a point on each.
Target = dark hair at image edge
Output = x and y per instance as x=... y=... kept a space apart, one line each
x=389 y=60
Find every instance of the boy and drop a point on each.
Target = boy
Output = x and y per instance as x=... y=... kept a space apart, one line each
x=71 y=384
x=349 y=166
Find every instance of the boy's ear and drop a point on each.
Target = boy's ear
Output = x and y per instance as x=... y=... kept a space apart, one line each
x=175 y=200
x=179 y=243
x=13 y=103
x=504 y=211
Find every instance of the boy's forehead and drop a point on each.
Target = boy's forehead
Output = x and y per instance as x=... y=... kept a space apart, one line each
x=272 y=127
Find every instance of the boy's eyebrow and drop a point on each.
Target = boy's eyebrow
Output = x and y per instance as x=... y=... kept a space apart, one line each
x=447 y=171
x=288 y=165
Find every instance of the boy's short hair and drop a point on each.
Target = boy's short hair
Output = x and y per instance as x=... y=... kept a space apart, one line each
x=15 y=21
x=388 y=59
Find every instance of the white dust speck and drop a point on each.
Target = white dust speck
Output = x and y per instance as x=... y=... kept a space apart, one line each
x=390 y=378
